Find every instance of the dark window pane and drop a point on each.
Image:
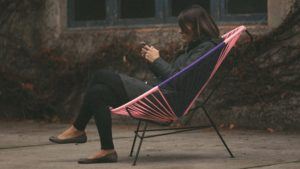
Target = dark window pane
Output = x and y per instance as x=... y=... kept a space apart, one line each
x=137 y=8
x=179 y=5
x=89 y=10
x=246 y=6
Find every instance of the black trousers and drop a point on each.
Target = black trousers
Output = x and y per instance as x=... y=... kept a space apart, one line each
x=105 y=89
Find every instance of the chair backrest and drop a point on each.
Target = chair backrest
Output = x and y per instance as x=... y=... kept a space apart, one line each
x=174 y=97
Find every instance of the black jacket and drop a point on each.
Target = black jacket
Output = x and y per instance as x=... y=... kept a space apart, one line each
x=162 y=69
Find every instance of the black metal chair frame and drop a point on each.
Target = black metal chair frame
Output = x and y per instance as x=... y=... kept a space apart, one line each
x=141 y=132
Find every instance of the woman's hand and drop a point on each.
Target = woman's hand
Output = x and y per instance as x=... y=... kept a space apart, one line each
x=150 y=53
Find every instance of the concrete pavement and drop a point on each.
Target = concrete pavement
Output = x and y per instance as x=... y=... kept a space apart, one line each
x=25 y=145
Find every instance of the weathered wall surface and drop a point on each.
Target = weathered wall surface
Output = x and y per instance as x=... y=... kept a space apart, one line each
x=277 y=11
x=116 y=47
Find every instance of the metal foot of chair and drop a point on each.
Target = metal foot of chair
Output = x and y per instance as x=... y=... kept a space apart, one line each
x=135 y=136
x=217 y=131
x=140 y=144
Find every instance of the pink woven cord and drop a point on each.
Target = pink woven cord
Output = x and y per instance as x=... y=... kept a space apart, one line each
x=154 y=89
x=167 y=114
x=152 y=109
x=140 y=109
x=146 y=116
x=233 y=36
x=169 y=111
x=155 y=112
x=172 y=112
x=159 y=115
x=153 y=104
x=139 y=113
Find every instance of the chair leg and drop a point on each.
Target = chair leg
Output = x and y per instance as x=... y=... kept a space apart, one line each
x=135 y=136
x=140 y=144
x=217 y=131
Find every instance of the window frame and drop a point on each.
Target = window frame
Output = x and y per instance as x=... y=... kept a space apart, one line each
x=112 y=16
x=162 y=15
x=71 y=17
x=240 y=18
x=157 y=19
x=173 y=19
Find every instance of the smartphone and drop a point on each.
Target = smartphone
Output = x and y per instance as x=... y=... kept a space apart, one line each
x=143 y=44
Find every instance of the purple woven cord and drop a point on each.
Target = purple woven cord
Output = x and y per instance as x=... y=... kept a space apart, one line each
x=221 y=45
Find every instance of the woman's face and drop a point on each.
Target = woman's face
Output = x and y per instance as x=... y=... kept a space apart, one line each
x=187 y=36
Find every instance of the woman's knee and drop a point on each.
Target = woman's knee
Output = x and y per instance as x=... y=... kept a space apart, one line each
x=102 y=72
x=97 y=89
x=102 y=76
x=99 y=92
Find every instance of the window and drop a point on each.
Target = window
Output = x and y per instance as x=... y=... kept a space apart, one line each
x=243 y=11
x=246 y=6
x=179 y=5
x=86 y=13
x=137 y=9
x=89 y=10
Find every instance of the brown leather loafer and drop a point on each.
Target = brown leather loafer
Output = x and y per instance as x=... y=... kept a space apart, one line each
x=109 y=158
x=79 y=139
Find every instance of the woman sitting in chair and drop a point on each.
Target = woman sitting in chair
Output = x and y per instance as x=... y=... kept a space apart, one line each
x=108 y=89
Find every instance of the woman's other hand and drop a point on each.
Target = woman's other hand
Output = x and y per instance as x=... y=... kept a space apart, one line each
x=150 y=53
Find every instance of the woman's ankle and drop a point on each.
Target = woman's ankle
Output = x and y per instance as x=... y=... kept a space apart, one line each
x=108 y=150
x=73 y=129
x=77 y=129
x=70 y=132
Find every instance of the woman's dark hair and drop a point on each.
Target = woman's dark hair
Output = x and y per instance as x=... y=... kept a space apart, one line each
x=199 y=20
